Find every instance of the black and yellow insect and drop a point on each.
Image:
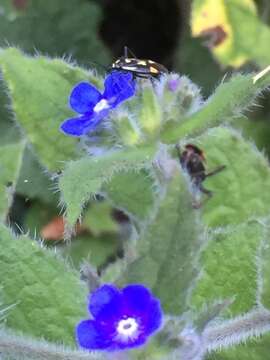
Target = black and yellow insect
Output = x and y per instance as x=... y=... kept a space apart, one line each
x=138 y=67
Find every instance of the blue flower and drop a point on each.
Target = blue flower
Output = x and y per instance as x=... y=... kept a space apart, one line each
x=121 y=318
x=92 y=106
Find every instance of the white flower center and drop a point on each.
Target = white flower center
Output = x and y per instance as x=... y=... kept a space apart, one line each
x=101 y=105
x=127 y=328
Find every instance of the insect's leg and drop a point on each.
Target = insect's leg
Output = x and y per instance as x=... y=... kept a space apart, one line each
x=145 y=76
x=152 y=79
x=198 y=204
x=215 y=171
x=205 y=191
x=141 y=76
x=208 y=193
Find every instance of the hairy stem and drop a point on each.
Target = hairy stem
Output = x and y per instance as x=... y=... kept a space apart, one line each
x=237 y=330
x=18 y=347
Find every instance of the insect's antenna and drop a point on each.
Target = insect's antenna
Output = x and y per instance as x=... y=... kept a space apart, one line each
x=128 y=51
x=125 y=51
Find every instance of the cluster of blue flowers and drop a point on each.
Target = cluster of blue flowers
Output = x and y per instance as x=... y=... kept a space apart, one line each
x=122 y=319
x=92 y=106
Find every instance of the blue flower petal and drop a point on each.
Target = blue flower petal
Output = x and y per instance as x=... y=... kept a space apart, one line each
x=105 y=303
x=136 y=299
x=80 y=125
x=110 y=306
x=139 y=302
x=91 y=336
x=84 y=97
x=119 y=86
x=154 y=320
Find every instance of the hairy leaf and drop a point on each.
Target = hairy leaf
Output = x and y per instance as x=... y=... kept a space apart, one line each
x=39 y=89
x=242 y=189
x=34 y=182
x=96 y=250
x=31 y=25
x=84 y=178
x=168 y=249
x=98 y=218
x=150 y=115
x=229 y=268
x=37 y=216
x=48 y=295
x=228 y=101
x=10 y=164
x=137 y=198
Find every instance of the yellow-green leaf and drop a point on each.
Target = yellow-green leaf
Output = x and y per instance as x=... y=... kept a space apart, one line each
x=236 y=34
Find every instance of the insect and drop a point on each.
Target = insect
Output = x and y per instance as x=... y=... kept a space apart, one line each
x=138 y=67
x=192 y=159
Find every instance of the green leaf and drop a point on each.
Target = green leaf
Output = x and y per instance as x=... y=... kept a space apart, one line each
x=37 y=216
x=9 y=133
x=12 y=153
x=84 y=178
x=34 y=182
x=242 y=190
x=95 y=250
x=167 y=251
x=264 y=267
x=39 y=88
x=150 y=116
x=228 y=101
x=49 y=297
x=239 y=33
x=34 y=27
x=136 y=199
x=3 y=309
x=256 y=130
x=153 y=350
x=98 y=218
x=186 y=62
x=229 y=268
x=125 y=128
x=113 y=271
x=11 y=156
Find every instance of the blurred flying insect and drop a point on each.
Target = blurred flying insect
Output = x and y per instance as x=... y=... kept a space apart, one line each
x=140 y=68
x=192 y=160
